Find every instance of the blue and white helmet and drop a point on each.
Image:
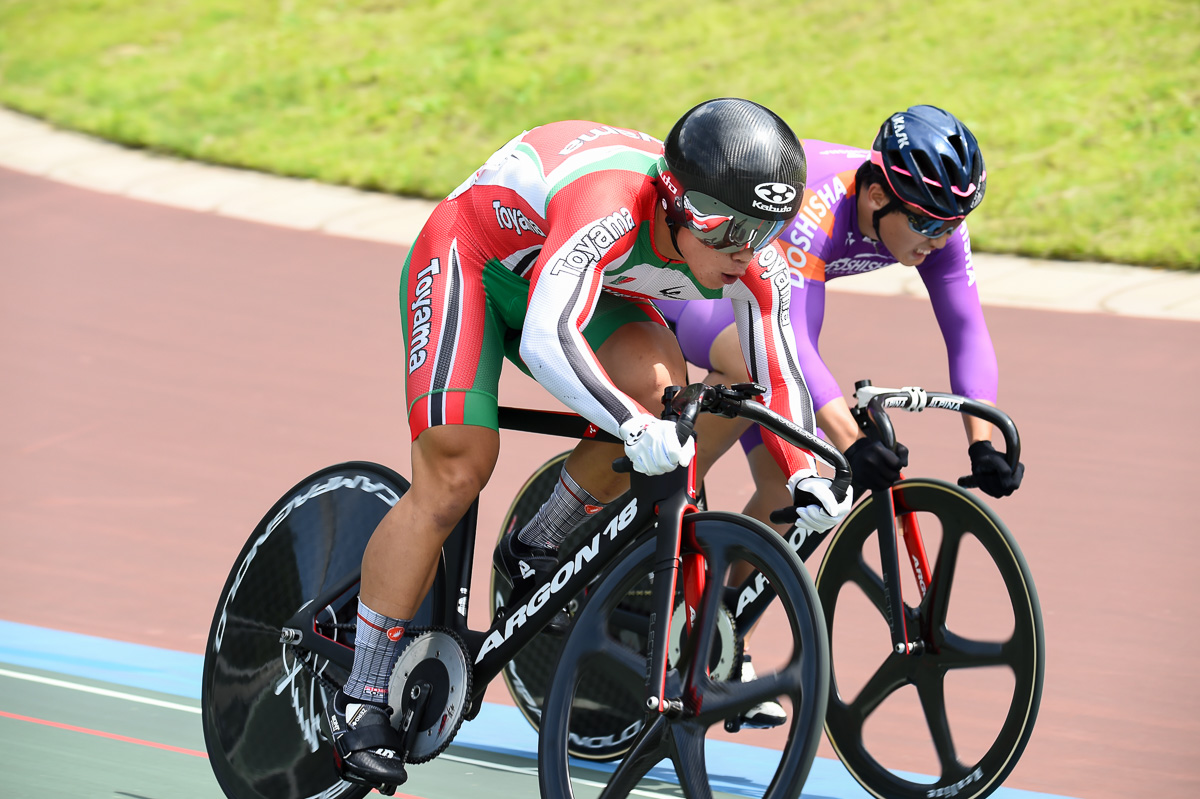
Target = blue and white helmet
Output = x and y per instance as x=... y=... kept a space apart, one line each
x=931 y=160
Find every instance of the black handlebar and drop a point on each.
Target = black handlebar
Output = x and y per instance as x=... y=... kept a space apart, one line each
x=683 y=405
x=874 y=421
x=736 y=401
x=794 y=434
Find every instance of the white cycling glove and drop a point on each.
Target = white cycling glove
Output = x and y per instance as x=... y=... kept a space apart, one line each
x=805 y=486
x=653 y=445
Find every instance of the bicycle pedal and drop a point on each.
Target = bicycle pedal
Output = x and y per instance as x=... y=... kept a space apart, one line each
x=387 y=790
x=733 y=725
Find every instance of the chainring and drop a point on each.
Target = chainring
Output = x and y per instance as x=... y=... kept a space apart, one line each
x=725 y=654
x=439 y=657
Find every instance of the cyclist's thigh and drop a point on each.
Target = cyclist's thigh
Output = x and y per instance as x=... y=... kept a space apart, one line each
x=698 y=325
x=725 y=354
x=454 y=339
x=622 y=331
x=729 y=366
x=751 y=440
x=635 y=347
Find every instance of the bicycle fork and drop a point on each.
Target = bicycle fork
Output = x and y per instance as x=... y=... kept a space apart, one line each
x=669 y=562
x=889 y=558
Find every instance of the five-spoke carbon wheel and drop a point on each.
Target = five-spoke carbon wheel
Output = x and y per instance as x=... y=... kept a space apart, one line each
x=597 y=644
x=976 y=693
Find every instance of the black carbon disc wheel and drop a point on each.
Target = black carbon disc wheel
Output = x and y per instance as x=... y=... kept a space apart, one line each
x=262 y=701
x=1005 y=669
x=596 y=644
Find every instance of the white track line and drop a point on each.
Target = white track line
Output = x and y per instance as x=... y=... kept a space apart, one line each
x=145 y=700
x=532 y=772
x=87 y=689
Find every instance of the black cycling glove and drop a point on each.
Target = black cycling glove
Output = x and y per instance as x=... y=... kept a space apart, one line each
x=873 y=465
x=990 y=471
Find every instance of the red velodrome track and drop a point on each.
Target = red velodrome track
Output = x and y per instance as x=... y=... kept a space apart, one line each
x=167 y=374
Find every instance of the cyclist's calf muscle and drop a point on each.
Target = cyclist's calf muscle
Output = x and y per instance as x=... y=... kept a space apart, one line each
x=450 y=466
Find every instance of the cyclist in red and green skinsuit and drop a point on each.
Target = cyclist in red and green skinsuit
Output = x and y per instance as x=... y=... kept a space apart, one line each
x=549 y=255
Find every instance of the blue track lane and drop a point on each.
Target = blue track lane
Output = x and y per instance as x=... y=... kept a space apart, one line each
x=735 y=768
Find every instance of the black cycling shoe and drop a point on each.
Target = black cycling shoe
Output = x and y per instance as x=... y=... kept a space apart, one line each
x=523 y=567
x=369 y=750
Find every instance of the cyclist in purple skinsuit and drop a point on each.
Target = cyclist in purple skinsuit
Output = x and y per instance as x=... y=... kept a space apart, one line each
x=903 y=201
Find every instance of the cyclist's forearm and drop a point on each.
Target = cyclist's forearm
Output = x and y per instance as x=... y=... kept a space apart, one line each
x=839 y=426
x=978 y=429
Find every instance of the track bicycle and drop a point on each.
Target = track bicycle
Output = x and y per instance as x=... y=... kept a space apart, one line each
x=282 y=636
x=921 y=646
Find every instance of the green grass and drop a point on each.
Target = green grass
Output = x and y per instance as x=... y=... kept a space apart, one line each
x=1087 y=111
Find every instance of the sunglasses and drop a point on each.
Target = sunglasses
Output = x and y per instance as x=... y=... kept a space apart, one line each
x=929 y=227
x=725 y=230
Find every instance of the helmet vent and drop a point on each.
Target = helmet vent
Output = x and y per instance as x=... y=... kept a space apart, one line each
x=960 y=147
x=953 y=171
x=939 y=169
x=926 y=169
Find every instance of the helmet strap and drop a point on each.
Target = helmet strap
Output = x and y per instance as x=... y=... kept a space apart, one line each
x=671 y=224
x=893 y=205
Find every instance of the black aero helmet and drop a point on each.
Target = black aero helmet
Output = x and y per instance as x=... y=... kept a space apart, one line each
x=929 y=159
x=732 y=173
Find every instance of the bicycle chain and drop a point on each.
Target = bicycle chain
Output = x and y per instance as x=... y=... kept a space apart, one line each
x=301 y=654
x=338 y=625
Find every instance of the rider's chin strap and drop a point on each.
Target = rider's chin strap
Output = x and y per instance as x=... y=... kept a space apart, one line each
x=893 y=205
x=674 y=241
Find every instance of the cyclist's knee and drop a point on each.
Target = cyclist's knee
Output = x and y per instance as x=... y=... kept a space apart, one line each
x=726 y=356
x=643 y=359
x=451 y=464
